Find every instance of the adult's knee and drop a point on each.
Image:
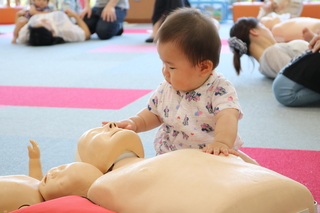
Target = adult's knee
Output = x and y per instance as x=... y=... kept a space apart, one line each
x=103 y=35
x=283 y=95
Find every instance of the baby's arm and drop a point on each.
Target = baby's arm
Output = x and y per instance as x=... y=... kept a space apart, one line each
x=141 y=122
x=35 y=168
x=225 y=133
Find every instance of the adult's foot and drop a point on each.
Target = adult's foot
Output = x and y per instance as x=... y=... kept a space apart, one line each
x=119 y=33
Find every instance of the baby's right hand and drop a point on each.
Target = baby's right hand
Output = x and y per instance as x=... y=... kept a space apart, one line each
x=124 y=124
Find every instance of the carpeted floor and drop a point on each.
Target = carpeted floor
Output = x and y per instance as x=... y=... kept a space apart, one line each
x=54 y=94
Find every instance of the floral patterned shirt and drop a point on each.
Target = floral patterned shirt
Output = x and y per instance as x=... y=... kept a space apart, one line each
x=188 y=117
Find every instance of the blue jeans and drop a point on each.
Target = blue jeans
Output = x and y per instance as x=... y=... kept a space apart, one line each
x=292 y=94
x=104 y=29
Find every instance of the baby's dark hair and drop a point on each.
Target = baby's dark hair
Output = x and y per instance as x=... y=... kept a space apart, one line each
x=41 y=36
x=241 y=30
x=193 y=32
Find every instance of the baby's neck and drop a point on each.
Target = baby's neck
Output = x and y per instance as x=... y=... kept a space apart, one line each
x=125 y=159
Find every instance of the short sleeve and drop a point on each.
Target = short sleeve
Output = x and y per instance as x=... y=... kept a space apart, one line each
x=225 y=97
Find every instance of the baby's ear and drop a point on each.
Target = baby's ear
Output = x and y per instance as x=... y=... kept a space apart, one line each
x=206 y=67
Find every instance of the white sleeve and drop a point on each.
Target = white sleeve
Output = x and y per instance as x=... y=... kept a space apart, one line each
x=73 y=34
x=272 y=61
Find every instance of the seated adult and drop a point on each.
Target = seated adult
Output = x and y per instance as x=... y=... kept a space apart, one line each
x=106 y=17
x=248 y=36
x=298 y=83
x=21 y=190
x=53 y=28
x=285 y=30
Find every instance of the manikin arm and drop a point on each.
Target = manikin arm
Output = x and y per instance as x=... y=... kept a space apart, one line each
x=35 y=168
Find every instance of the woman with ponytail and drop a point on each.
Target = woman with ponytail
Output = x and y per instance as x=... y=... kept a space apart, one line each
x=248 y=36
x=54 y=28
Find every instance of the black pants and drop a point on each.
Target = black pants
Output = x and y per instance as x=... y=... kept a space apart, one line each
x=162 y=8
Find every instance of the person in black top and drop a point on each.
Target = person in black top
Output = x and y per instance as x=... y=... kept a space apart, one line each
x=298 y=83
x=161 y=10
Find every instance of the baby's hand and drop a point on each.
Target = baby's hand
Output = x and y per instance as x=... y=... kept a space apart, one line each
x=217 y=147
x=34 y=151
x=124 y=124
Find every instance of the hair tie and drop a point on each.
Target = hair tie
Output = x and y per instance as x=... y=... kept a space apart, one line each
x=237 y=44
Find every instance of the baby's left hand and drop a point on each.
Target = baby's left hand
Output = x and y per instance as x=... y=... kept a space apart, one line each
x=217 y=147
x=34 y=151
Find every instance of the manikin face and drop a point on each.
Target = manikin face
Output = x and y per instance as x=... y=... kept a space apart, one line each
x=102 y=146
x=177 y=69
x=41 y=3
x=69 y=179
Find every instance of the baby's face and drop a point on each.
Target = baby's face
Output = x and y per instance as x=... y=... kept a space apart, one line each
x=70 y=179
x=177 y=69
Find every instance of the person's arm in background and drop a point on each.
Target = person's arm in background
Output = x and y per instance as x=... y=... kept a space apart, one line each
x=86 y=10
x=109 y=12
x=35 y=168
x=283 y=5
x=80 y=22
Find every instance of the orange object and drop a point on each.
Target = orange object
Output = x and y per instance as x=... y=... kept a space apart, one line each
x=245 y=9
x=251 y=9
x=311 y=9
x=8 y=14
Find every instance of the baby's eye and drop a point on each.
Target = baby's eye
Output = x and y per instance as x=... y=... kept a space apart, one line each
x=171 y=68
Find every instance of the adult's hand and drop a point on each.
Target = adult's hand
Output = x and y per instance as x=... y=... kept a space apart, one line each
x=109 y=14
x=86 y=12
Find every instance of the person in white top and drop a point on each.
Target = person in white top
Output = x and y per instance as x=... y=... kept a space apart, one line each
x=53 y=28
x=248 y=36
x=293 y=7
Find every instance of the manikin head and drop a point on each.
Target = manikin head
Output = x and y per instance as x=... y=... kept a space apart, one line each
x=70 y=179
x=103 y=146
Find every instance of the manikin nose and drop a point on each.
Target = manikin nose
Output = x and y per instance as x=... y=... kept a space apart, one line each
x=111 y=127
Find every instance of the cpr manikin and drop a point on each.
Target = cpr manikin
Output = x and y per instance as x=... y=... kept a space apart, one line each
x=288 y=29
x=103 y=146
x=17 y=191
x=184 y=180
